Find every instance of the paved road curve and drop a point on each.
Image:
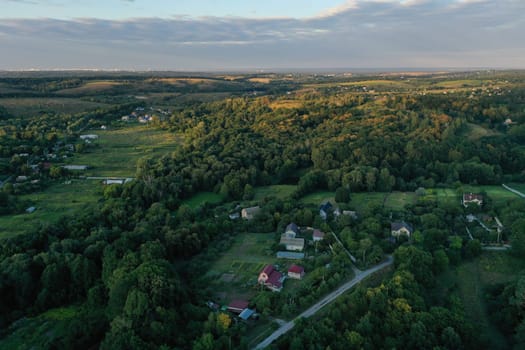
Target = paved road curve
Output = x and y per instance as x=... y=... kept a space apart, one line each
x=326 y=300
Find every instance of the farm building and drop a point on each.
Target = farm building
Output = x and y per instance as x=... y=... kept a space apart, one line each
x=290 y=255
x=249 y=213
x=296 y=271
x=400 y=228
x=89 y=137
x=271 y=278
x=75 y=167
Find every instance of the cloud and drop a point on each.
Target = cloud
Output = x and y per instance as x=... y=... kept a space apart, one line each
x=386 y=33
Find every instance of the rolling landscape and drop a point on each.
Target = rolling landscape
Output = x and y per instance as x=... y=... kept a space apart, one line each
x=219 y=175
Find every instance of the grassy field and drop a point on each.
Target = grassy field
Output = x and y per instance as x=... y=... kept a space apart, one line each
x=498 y=194
x=518 y=187
x=471 y=278
x=203 y=197
x=317 y=198
x=279 y=191
x=23 y=107
x=38 y=332
x=118 y=150
x=398 y=200
x=236 y=271
x=51 y=204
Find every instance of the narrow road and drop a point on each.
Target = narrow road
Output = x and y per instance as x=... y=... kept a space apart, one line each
x=513 y=190
x=326 y=300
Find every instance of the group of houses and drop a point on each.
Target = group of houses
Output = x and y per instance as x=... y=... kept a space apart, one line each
x=401 y=228
x=272 y=279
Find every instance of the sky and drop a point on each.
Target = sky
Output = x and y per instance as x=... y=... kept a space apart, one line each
x=222 y=35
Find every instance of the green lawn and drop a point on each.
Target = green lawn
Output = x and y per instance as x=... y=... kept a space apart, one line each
x=52 y=203
x=117 y=151
x=472 y=278
x=38 y=332
x=498 y=194
x=203 y=197
x=279 y=191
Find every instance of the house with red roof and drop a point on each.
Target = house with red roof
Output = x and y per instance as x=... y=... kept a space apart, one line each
x=271 y=278
x=318 y=235
x=472 y=198
x=296 y=271
x=237 y=306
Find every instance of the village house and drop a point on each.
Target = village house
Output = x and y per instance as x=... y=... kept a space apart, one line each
x=351 y=213
x=293 y=244
x=296 y=272
x=325 y=209
x=89 y=137
x=237 y=306
x=469 y=198
x=318 y=235
x=401 y=228
x=289 y=240
x=271 y=278
x=249 y=213
x=291 y=230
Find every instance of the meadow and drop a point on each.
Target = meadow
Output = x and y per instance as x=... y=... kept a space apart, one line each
x=55 y=201
x=203 y=197
x=116 y=152
x=30 y=106
x=469 y=281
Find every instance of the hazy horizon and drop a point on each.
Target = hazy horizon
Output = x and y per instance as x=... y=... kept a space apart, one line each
x=210 y=36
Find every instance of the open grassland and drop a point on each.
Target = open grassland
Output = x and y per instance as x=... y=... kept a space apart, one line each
x=369 y=84
x=52 y=203
x=471 y=279
x=203 y=197
x=235 y=273
x=39 y=332
x=317 y=198
x=279 y=191
x=91 y=87
x=116 y=152
x=24 y=107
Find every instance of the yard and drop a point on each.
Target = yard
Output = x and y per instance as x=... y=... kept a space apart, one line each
x=51 y=204
x=235 y=272
x=117 y=151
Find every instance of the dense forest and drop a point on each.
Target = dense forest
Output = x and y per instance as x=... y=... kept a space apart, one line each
x=134 y=264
